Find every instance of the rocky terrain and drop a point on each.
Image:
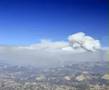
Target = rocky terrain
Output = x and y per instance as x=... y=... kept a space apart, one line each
x=80 y=76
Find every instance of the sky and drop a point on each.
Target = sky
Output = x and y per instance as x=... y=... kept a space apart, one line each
x=52 y=32
x=24 y=22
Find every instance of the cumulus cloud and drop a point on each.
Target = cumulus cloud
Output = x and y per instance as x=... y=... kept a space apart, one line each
x=49 y=53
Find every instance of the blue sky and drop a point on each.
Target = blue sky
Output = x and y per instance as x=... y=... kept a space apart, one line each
x=23 y=22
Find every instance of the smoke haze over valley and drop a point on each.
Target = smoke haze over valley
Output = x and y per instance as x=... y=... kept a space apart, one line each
x=54 y=53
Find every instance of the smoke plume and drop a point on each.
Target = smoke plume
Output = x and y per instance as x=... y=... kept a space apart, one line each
x=80 y=40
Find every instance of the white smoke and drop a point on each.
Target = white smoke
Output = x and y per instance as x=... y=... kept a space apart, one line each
x=51 y=53
x=47 y=45
x=80 y=40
